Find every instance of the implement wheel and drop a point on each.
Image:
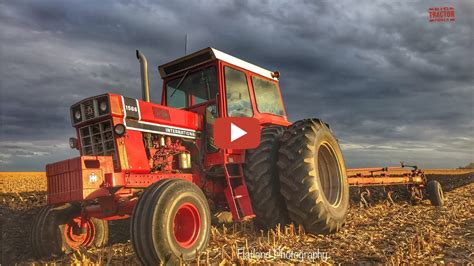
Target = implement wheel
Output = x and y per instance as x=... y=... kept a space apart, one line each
x=171 y=222
x=313 y=177
x=261 y=177
x=435 y=193
x=59 y=230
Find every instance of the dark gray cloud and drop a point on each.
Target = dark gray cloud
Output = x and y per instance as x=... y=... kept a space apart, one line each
x=392 y=85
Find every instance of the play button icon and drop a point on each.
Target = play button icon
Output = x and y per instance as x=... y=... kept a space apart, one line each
x=237 y=133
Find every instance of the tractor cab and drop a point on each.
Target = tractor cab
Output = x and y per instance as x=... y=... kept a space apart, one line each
x=210 y=82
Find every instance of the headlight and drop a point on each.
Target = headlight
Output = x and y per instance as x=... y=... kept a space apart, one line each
x=119 y=130
x=73 y=143
x=103 y=106
x=77 y=114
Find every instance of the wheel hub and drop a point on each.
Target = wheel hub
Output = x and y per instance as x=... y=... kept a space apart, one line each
x=329 y=174
x=186 y=225
x=77 y=236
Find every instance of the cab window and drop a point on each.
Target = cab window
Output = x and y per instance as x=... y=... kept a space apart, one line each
x=237 y=93
x=267 y=96
x=192 y=88
x=175 y=97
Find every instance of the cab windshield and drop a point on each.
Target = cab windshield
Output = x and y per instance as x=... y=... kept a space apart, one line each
x=192 y=88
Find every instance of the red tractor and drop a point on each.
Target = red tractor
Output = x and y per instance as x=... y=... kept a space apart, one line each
x=157 y=163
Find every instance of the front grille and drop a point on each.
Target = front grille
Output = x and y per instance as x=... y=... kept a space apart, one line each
x=98 y=139
x=89 y=110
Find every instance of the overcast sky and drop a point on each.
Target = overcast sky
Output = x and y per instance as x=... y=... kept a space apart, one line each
x=393 y=86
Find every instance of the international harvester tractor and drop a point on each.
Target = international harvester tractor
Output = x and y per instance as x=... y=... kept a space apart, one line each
x=158 y=165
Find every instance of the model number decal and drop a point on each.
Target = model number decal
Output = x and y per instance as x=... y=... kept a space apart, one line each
x=131 y=108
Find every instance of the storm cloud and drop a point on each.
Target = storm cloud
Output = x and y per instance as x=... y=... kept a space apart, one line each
x=393 y=86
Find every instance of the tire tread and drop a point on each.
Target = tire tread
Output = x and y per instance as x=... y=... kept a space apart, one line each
x=303 y=200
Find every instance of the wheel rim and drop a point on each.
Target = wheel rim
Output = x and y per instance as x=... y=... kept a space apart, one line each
x=186 y=225
x=76 y=236
x=440 y=192
x=329 y=174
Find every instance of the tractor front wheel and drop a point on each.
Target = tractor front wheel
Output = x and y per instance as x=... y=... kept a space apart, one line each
x=313 y=177
x=170 y=223
x=60 y=230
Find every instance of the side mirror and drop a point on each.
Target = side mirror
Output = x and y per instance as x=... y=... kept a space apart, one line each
x=212 y=110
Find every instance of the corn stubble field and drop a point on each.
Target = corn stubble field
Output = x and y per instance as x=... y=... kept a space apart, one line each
x=381 y=233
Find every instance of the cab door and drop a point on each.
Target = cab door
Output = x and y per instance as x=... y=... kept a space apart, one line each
x=237 y=100
x=233 y=100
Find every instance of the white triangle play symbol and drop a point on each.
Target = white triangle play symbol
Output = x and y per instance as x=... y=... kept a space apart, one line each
x=236 y=132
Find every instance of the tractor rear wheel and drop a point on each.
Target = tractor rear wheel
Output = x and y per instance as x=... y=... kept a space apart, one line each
x=171 y=222
x=261 y=178
x=313 y=177
x=435 y=193
x=57 y=230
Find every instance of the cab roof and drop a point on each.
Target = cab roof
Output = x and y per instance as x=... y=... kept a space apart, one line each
x=207 y=55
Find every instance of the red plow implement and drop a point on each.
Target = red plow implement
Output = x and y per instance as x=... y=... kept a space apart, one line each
x=410 y=176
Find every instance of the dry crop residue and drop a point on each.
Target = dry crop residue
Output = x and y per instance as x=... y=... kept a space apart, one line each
x=381 y=233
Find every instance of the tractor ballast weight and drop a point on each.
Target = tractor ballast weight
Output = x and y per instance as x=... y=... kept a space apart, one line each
x=157 y=163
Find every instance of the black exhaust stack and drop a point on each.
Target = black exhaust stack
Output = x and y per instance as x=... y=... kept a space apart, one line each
x=144 y=76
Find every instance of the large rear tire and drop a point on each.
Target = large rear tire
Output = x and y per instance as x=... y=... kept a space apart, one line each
x=261 y=177
x=57 y=230
x=313 y=177
x=171 y=222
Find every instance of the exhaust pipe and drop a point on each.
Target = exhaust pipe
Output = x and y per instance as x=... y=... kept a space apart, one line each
x=144 y=76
